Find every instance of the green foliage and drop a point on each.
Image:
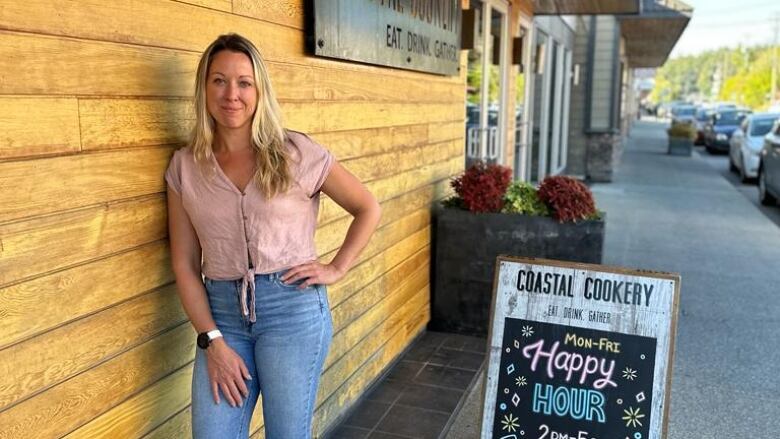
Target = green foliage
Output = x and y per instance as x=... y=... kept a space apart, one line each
x=596 y=216
x=562 y=198
x=519 y=88
x=682 y=130
x=474 y=81
x=750 y=86
x=522 y=197
x=743 y=74
x=454 y=202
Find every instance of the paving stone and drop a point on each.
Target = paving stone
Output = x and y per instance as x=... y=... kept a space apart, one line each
x=429 y=397
x=387 y=391
x=458 y=359
x=347 y=432
x=413 y=422
x=405 y=370
x=367 y=415
x=445 y=377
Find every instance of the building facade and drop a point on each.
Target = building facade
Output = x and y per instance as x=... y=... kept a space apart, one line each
x=94 y=99
x=608 y=49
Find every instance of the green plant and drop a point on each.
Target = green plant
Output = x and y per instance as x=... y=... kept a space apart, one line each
x=682 y=130
x=454 y=202
x=487 y=188
x=522 y=197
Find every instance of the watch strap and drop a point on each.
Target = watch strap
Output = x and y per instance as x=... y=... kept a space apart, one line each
x=214 y=334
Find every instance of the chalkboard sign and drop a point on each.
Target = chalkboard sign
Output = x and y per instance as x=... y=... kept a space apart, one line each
x=579 y=351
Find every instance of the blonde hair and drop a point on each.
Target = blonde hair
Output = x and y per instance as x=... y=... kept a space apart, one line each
x=272 y=175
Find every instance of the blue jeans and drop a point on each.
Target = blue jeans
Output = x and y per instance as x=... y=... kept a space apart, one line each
x=284 y=351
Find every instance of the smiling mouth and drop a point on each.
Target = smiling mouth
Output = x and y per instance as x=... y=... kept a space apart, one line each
x=231 y=110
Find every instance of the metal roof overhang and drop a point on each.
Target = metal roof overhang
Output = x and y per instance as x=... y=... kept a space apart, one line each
x=586 y=7
x=651 y=35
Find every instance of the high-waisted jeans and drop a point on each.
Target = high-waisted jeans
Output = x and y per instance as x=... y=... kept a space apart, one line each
x=284 y=351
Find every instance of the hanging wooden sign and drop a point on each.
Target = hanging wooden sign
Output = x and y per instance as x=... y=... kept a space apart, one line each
x=579 y=351
x=423 y=35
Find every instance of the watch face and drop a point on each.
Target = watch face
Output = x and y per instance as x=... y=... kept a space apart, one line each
x=203 y=340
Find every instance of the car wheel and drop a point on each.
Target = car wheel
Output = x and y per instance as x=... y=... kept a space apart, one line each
x=764 y=196
x=743 y=177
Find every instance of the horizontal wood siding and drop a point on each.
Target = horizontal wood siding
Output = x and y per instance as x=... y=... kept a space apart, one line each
x=94 y=99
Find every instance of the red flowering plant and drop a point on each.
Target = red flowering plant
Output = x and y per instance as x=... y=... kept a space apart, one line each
x=481 y=188
x=568 y=199
x=488 y=188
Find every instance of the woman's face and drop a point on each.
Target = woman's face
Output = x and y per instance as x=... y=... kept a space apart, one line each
x=231 y=92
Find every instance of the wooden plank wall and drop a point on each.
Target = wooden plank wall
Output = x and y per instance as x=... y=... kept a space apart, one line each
x=94 y=99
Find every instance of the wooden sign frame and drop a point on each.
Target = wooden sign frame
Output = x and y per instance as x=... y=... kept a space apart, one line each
x=513 y=305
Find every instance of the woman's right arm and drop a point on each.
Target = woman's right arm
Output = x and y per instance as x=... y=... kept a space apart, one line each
x=226 y=368
x=185 y=259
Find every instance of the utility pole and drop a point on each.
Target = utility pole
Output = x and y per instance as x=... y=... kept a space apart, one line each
x=774 y=61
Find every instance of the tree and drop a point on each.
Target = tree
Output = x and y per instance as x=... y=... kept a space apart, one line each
x=741 y=75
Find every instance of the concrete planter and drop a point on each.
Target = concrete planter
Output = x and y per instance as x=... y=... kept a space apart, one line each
x=680 y=146
x=465 y=250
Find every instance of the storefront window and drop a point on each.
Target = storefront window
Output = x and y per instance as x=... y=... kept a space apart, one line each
x=485 y=119
x=520 y=74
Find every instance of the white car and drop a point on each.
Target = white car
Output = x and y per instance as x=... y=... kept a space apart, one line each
x=746 y=143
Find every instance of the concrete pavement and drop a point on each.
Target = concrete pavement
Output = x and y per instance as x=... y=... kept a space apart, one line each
x=679 y=214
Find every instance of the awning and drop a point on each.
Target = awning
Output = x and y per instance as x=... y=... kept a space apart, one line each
x=651 y=35
x=586 y=7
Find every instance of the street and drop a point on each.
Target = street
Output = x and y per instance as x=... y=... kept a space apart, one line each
x=749 y=190
x=680 y=214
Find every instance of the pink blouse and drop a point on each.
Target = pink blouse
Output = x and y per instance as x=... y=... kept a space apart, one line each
x=244 y=233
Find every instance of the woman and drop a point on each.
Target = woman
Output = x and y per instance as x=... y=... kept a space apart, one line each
x=244 y=194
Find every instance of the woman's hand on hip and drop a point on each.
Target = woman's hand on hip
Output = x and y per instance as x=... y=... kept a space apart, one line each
x=227 y=371
x=314 y=272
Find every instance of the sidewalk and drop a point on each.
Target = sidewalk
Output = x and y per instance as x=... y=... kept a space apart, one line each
x=678 y=214
x=420 y=393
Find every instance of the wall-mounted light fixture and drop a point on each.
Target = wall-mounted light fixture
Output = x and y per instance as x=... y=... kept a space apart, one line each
x=539 y=58
x=467 y=29
x=517 y=52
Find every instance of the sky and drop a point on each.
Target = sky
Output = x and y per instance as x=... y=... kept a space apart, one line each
x=721 y=23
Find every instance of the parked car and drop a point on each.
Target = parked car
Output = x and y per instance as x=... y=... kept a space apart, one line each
x=718 y=130
x=746 y=143
x=683 y=113
x=702 y=117
x=769 y=167
x=665 y=108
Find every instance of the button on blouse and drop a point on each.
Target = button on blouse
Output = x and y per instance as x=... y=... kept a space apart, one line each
x=244 y=233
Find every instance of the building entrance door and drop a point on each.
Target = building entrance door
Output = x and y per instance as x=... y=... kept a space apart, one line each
x=486 y=101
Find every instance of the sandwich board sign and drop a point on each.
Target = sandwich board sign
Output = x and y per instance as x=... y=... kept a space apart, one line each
x=579 y=351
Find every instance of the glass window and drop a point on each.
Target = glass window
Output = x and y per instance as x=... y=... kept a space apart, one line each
x=484 y=136
x=520 y=71
x=474 y=88
x=728 y=118
x=686 y=111
x=761 y=127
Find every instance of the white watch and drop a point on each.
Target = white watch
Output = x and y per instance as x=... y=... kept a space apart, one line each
x=205 y=338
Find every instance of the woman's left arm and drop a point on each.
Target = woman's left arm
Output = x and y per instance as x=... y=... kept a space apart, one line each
x=349 y=193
